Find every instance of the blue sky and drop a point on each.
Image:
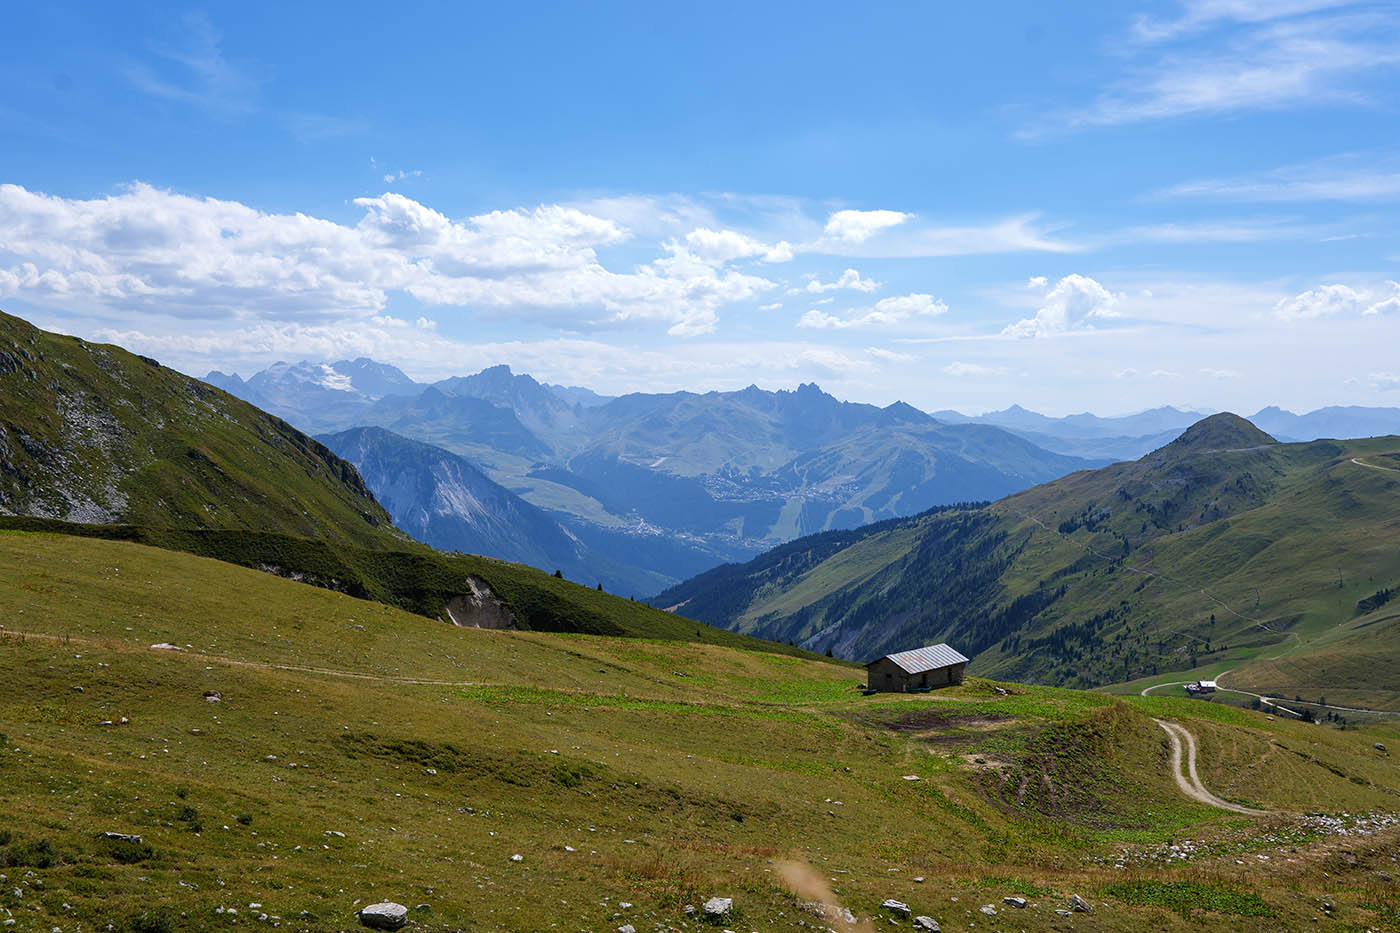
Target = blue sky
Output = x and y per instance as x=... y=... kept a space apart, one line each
x=1100 y=207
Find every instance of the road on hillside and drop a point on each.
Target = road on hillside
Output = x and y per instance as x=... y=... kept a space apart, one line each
x=1359 y=462
x=1190 y=782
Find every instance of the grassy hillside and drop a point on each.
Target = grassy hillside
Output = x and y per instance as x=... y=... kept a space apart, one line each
x=420 y=581
x=99 y=442
x=92 y=433
x=355 y=753
x=1221 y=548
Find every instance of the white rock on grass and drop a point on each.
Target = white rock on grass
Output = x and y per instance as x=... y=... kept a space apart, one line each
x=627 y=928
x=1078 y=904
x=988 y=909
x=718 y=906
x=927 y=924
x=1019 y=902
x=385 y=916
x=897 y=907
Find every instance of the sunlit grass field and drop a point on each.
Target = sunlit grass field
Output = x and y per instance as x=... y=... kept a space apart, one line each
x=357 y=753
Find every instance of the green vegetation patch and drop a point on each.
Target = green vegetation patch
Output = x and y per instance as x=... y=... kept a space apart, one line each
x=1185 y=896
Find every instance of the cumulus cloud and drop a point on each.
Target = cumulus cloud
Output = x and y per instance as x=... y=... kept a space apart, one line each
x=160 y=252
x=1074 y=303
x=721 y=246
x=885 y=312
x=1337 y=299
x=852 y=226
x=850 y=279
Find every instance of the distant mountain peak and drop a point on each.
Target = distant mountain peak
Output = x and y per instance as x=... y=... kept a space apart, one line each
x=1225 y=431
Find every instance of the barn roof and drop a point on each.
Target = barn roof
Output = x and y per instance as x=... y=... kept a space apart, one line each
x=927 y=658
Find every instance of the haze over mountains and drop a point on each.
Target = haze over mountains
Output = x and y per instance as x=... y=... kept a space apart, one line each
x=654 y=488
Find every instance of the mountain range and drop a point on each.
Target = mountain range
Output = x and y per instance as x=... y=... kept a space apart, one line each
x=655 y=488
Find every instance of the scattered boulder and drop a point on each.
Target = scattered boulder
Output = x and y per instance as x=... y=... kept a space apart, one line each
x=385 y=916
x=988 y=909
x=122 y=837
x=166 y=646
x=517 y=858
x=1380 y=747
x=627 y=928
x=213 y=696
x=1079 y=905
x=927 y=924
x=911 y=777
x=1017 y=902
x=1061 y=912
x=718 y=906
x=897 y=907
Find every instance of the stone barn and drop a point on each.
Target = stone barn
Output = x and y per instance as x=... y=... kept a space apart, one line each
x=919 y=669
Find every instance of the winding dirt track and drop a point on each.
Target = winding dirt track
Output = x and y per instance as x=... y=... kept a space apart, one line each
x=1190 y=782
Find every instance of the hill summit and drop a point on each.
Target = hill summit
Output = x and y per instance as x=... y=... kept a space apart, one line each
x=1225 y=431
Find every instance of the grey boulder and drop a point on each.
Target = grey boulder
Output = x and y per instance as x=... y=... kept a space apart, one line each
x=926 y=923
x=385 y=916
x=719 y=906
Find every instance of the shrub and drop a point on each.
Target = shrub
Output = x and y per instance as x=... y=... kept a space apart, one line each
x=246 y=819
x=127 y=853
x=38 y=853
x=149 y=921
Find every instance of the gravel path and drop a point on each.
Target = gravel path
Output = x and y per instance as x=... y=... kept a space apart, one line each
x=1190 y=782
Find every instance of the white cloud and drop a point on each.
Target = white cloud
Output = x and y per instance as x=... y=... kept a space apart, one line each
x=195 y=71
x=890 y=356
x=964 y=370
x=1198 y=14
x=1385 y=382
x=161 y=252
x=852 y=226
x=771 y=307
x=1012 y=235
x=1220 y=375
x=885 y=313
x=721 y=246
x=1350 y=177
x=1074 y=302
x=1220 y=231
x=850 y=279
x=1337 y=299
x=1248 y=57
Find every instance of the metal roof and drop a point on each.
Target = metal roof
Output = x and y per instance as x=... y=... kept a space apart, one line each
x=928 y=658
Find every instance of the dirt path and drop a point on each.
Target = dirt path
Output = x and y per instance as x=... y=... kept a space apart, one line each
x=1359 y=462
x=1190 y=782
